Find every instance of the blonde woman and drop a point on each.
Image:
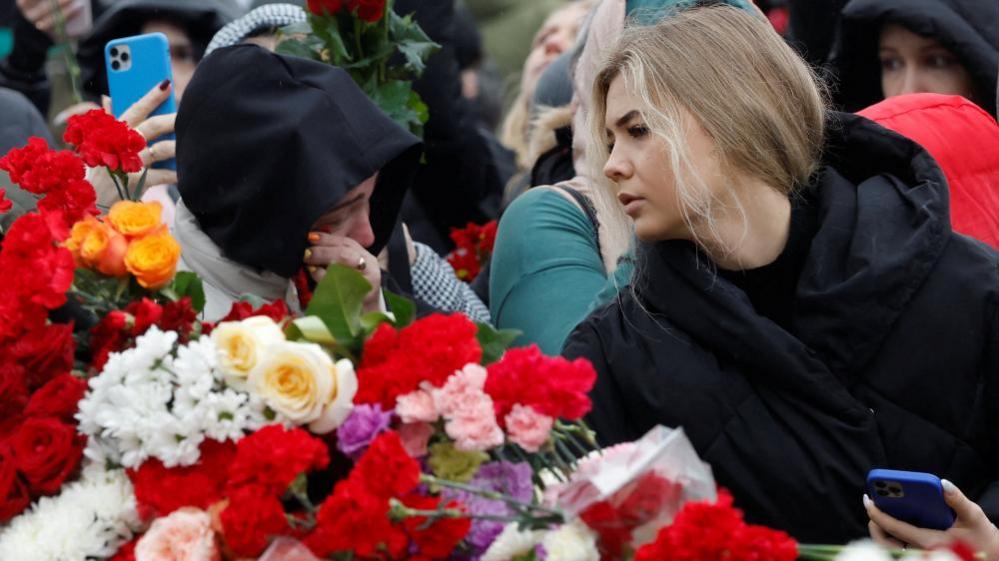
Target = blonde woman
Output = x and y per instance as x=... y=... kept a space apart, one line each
x=801 y=306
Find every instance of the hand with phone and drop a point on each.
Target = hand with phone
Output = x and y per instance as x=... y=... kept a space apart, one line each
x=151 y=128
x=971 y=526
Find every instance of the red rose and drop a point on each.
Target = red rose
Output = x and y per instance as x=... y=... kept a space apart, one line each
x=14 y=496
x=45 y=353
x=276 y=310
x=438 y=539
x=13 y=392
x=323 y=7
x=369 y=10
x=108 y=336
x=160 y=490
x=251 y=519
x=273 y=457
x=58 y=398
x=47 y=451
x=179 y=316
x=146 y=313
x=102 y=140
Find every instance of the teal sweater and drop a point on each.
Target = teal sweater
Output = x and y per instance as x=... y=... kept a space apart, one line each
x=546 y=269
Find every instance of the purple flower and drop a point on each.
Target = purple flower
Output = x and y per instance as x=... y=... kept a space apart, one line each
x=513 y=480
x=361 y=427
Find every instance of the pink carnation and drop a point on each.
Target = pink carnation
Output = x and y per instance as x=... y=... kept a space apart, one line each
x=185 y=535
x=528 y=428
x=415 y=437
x=416 y=407
x=473 y=426
x=460 y=387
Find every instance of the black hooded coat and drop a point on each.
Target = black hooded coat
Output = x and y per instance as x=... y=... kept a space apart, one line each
x=266 y=144
x=872 y=342
x=968 y=28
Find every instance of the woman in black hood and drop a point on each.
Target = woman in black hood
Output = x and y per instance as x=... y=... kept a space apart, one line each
x=273 y=154
x=893 y=47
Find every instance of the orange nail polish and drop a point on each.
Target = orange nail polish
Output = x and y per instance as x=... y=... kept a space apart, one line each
x=313 y=237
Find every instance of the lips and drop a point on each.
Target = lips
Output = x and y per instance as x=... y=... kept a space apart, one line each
x=631 y=203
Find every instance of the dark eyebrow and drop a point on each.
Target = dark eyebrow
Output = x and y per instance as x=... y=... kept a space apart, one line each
x=627 y=117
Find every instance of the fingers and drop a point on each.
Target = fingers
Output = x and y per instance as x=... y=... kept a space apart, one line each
x=159 y=152
x=76 y=109
x=141 y=109
x=907 y=533
x=330 y=249
x=106 y=103
x=155 y=127
x=47 y=21
x=161 y=177
x=967 y=511
x=879 y=536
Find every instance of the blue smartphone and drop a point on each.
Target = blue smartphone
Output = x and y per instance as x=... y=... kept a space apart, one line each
x=136 y=65
x=910 y=496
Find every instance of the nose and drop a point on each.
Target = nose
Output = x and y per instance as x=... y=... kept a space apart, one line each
x=555 y=44
x=617 y=168
x=360 y=230
x=911 y=82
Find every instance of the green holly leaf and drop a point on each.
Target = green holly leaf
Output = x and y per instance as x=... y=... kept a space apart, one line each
x=494 y=342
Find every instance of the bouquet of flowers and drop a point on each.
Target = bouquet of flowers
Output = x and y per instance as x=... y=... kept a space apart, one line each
x=362 y=36
x=473 y=249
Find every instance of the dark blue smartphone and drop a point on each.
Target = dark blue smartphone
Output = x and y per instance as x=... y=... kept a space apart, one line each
x=910 y=496
x=136 y=65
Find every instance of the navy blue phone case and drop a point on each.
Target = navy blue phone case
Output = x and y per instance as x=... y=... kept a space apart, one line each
x=147 y=64
x=910 y=496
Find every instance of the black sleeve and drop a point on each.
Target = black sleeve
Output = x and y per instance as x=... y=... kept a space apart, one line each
x=460 y=181
x=24 y=69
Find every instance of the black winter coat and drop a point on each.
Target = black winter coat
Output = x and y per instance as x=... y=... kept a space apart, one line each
x=890 y=357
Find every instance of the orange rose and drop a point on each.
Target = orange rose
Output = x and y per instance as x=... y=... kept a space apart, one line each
x=135 y=219
x=153 y=259
x=96 y=245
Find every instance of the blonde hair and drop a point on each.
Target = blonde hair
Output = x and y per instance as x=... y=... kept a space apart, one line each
x=755 y=97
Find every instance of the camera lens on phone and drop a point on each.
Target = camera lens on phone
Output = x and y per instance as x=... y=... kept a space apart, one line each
x=114 y=51
x=882 y=492
x=880 y=484
x=124 y=57
x=115 y=65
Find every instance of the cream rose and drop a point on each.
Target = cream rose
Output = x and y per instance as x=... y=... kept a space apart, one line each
x=242 y=346
x=301 y=382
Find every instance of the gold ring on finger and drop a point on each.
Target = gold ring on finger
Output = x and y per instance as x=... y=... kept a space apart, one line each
x=362 y=264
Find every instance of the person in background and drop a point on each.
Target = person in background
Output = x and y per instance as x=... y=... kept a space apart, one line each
x=801 y=306
x=946 y=126
x=507 y=27
x=555 y=36
x=886 y=48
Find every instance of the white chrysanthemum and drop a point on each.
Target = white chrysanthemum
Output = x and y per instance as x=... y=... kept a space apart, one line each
x=510 y=543
x=161 y=401
x=572 y=542
x=91 y=518
x=864 y=550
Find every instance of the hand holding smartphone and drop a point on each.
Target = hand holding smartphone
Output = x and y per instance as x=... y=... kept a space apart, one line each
x=912 y=497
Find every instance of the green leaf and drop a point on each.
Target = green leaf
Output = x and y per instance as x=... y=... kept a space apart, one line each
x=338 y=300
x=394 y=99
x=401 y=307
x=412 y=42
x=294 y=47
x=186 y=283
x=311 y=328
x=141 y=185
x=494 y=342
x=372 y=320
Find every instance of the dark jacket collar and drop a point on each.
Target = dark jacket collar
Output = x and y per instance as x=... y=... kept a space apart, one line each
x=883 y=223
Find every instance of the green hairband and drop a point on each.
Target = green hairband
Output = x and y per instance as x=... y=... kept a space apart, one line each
x=648 y=12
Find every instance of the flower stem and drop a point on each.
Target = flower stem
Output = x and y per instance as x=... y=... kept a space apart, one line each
x=72 y=65
x=488 y=494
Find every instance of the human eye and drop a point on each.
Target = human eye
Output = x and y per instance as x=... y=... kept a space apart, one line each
x=940 y=61
x=638 y=131
x=891 y=63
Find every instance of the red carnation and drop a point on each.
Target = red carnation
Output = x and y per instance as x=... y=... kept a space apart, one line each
x=45 y=353
x=160 y=490
x=75 y=200
x=38 y=169
x=58 y=398
x=436 y=540
x=551 y=385
x=273 y=457
x=14 y=496
x=126 y=552
x=146 y=313
x=102 y=140
x=108 y=336
x=386 y=455
x=321 y=7
x=5 y=203
x=351 y=519
x=47 y=451
x=369 y=10
x=251 y=519
x=36 y=269
x=396 y=362
x=179 y=316
x=241 y=310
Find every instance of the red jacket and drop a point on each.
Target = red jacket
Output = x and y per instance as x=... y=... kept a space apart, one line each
x=964 y=140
